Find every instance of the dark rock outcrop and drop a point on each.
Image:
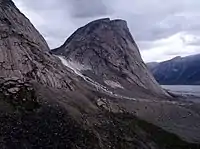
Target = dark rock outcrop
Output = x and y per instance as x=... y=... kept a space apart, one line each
x=108 y=50
x=178 y=71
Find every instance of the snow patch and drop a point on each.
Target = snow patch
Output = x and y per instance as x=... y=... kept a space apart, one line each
x=75 y=66
x=113 y=84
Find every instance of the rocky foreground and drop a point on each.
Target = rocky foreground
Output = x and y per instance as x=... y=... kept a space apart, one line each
x=46 y=102
x=36 y=117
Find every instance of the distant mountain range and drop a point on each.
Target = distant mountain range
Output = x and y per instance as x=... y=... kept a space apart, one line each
x=177 y=71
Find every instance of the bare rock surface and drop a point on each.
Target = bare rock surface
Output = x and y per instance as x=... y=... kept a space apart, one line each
x=24 y=52
x=44 y=104
x=109 y=50
x=114 y=64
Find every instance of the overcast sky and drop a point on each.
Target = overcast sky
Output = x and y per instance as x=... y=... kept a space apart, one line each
x=162 y=29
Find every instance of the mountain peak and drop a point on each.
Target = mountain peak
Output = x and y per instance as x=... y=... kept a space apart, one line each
x=107 y=21
x=107 y=47
x=176 y=58
x=94 y=101
x=120 y=23
x=101 y=20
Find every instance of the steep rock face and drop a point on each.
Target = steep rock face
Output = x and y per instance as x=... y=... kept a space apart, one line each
x=108 y=50
x=178 y=71
x=24 y=52
x=44 y=105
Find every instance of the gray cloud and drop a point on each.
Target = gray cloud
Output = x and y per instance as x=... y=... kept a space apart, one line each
x=149 y=21
x=76 y=8
x=88 y=8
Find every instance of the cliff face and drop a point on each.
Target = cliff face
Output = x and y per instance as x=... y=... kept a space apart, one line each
x=112 y=57
x=178 y=71
x=24 y=52
x=44 y=104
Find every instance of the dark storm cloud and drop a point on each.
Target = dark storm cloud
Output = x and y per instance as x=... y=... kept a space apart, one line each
x=88 y=8
x=76 y=8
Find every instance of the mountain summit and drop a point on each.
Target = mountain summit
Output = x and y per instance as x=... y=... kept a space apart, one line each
x=108 y=50
x=86 y=96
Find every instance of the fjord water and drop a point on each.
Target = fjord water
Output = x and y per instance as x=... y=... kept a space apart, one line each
x=184 y=89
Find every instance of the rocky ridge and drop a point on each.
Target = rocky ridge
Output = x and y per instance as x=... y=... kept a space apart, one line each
x=112 y=57
x=178 y=71
x=24 y=52
x=44 y=104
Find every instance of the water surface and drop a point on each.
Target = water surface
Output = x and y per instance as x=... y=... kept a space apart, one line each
x=184 y=89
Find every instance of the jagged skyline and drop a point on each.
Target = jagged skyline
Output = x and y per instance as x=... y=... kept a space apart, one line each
x=161 y=31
